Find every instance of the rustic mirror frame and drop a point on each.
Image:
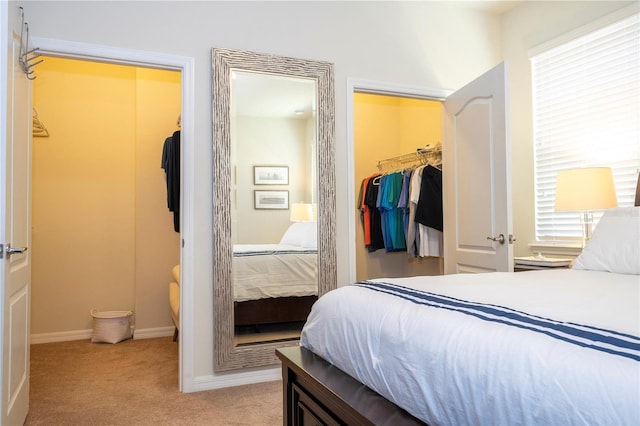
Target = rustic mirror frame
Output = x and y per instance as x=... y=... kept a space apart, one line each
x=228 y=356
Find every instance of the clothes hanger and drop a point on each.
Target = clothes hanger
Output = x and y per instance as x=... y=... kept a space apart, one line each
x=39 y=130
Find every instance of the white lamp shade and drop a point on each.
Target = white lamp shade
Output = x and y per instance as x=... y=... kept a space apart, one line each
x=301 y=212
x=585 y=189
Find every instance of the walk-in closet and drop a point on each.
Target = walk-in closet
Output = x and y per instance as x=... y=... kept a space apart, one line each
x=392 y=134
x=103 y=236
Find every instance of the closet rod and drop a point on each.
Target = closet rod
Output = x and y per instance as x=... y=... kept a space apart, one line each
x=422 y=156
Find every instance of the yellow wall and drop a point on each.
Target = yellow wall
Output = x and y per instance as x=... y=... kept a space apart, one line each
x=385 y=127
x=102 y=235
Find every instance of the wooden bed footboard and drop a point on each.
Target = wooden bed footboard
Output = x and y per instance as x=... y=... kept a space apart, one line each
x=317 y=393
x=273 y=310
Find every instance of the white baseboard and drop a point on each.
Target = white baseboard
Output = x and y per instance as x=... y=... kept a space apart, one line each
x=150 y=333
x=65 y=336
x=61 y=336
x=225 y=380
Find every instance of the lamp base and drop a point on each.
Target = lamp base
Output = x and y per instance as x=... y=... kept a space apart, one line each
x=586 y=219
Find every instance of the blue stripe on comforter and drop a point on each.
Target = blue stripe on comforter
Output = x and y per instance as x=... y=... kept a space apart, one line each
x=608 y=341
x=273 y=252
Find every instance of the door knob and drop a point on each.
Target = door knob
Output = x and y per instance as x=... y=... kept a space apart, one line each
x=499 y=238
x=6 y=248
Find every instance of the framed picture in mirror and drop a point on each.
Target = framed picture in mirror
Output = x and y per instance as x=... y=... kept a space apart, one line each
x=271 y=175
x=271 y=199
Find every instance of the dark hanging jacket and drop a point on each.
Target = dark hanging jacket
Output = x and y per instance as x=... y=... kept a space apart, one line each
x=429 y=208
x=171 y=166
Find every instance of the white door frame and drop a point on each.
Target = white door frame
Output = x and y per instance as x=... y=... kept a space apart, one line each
x=185 y=65
x=378 y=88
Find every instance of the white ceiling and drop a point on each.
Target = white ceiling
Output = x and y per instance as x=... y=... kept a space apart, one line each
x=269 y=95
x=494 y=6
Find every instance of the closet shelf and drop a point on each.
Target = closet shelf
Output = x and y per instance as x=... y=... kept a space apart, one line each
x=427 y=155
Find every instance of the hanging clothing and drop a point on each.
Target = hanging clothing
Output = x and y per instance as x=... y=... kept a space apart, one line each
x=429 y=208
x=395 y=206
x=365 y=212
x=171 y=165
x=427 y=197
x=166 y=149
x=404 y=201
x=375 y=225
x=392 y=216
x=413 y=236
x=430 y=244
x=382 y=193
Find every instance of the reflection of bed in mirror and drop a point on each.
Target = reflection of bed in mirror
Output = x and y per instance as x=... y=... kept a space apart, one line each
x=276 y=283
x=557 y=346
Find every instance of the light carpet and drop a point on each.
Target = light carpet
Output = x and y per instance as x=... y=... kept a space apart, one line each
x=135 y=382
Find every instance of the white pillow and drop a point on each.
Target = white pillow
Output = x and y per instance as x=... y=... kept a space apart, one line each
x=615 y=243
x=302 y=234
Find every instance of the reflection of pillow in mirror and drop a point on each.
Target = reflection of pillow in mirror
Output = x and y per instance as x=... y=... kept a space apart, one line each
x=311 y=239
x=302 y=234
x=615 y=243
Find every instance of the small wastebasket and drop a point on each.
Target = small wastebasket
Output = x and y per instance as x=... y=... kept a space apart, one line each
x=111 y=326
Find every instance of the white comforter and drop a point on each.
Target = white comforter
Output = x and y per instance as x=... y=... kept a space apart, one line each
x=262 y=271
x=460 y=364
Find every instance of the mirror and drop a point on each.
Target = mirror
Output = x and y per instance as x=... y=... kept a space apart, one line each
x=273 y=159
x=249 y=192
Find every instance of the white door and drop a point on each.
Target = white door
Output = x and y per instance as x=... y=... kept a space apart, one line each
x=476 y=172
x=15 y=269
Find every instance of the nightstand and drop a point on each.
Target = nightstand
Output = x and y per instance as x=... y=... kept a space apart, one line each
x=539 y=262
x=521 y=268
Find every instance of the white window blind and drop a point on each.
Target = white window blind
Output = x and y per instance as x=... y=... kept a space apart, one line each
x=586 y=107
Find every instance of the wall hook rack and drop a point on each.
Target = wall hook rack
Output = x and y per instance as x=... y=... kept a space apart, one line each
x=27 y=57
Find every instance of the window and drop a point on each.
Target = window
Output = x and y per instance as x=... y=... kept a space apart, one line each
x=586 y=108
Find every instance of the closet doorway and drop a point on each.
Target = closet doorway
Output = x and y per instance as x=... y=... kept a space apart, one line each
x=103 y=237
x=386 y=126
x=477 y=134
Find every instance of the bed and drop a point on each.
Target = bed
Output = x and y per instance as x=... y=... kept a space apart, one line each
x=273 y=283
x=276 y=283
x=538 y=347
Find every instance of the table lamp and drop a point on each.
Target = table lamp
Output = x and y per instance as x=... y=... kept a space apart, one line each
x=301 y=212
x=585 y=190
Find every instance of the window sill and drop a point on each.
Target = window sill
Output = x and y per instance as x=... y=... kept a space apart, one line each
x=556 y=248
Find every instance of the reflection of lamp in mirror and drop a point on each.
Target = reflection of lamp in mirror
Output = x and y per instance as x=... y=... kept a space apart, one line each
x=301 y=212
x=585 y=190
